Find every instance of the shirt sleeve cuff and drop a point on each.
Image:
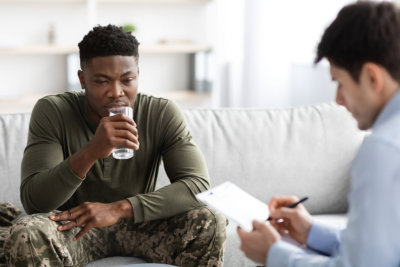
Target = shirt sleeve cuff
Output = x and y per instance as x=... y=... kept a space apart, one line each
x=280 y=254
x=66 y=174
x=137 y=207
x=323 y=238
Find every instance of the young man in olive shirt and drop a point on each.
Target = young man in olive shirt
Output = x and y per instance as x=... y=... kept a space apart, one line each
x=109 y=206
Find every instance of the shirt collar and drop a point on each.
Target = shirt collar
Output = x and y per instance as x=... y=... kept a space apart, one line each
x=391 y=108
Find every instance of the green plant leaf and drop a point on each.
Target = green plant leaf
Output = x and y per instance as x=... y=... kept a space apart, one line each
x=129 y=27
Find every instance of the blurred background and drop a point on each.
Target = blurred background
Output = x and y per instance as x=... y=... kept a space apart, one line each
x=200 y=53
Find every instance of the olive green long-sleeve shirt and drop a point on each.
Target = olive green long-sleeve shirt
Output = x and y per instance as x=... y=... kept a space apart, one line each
x=60 y=126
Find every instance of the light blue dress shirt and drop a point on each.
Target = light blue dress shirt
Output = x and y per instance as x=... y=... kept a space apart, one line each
x=372 y=236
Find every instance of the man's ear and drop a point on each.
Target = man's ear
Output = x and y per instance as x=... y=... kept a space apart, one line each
x=81 y=79
x=138 y=70
x=373 y=75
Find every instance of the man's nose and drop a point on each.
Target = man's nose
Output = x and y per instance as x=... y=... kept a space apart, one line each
x=339 y=98
x=116 y=90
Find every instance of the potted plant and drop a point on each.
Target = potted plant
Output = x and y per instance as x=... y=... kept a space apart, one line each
x=129 y=27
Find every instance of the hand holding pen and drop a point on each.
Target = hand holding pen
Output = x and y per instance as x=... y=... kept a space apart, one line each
x=287 y=216
x=291 y=206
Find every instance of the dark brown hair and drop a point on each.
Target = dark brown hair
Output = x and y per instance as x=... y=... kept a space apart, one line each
x=363 y=32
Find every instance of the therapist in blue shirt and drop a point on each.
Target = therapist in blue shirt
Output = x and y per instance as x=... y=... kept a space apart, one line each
x=362 y=46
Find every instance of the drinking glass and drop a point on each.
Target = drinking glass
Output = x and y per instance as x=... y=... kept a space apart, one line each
x=122 y=152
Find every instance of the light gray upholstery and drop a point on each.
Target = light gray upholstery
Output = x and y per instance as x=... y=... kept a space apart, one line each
x=304 y=151
x=115 y=261
x=13 y=138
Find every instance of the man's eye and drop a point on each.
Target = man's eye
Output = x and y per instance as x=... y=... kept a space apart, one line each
x=100 y=81
x=128 y=80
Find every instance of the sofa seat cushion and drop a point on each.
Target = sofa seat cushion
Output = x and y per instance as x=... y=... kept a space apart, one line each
x=114 y=261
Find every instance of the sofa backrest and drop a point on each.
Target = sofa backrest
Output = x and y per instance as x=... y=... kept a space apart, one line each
x=13 y=139
x=303 y=151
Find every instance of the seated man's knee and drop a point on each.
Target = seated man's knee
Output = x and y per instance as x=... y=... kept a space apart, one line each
x=210 y=225
x=28 y=235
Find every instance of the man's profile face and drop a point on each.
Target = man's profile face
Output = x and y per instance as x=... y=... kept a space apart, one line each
x=356 y=97
x=109 y=81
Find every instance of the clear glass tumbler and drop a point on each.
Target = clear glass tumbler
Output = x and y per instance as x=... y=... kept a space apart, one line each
x=122 y=152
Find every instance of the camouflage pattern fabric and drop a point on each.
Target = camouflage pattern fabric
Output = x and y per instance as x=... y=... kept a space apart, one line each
x=8 y=212
x=4 y=232
x=195 y=238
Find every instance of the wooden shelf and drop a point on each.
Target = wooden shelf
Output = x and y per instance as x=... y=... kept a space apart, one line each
x=169 y=48
x=43 y=1
x=184 y=98
x=38 y=50
x=153 y=1
x=177 y=48
x=108 y=1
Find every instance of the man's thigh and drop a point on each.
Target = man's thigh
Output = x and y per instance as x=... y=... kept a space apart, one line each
x=35 y=241
x=4 y=232
x=194 y=238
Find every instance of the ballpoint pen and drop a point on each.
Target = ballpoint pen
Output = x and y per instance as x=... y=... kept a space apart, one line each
x=293 y=205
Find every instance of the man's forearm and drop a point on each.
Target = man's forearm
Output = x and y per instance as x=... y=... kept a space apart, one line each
x=168 y=201
x=124 y=209
x=81 y=162
x=63 y=179
x=59 y=184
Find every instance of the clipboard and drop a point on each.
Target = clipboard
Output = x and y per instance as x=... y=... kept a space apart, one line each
x=236 y=204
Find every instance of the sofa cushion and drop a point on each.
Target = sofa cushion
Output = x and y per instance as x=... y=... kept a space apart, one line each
x=114 y=261
x=303 y=151
x=13 y=139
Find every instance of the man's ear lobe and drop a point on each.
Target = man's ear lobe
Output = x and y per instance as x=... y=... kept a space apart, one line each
x=81 y=79
x=374 y=75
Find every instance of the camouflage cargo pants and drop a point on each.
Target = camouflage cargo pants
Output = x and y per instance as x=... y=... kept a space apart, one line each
x=8 y=213
x=4 y=232
x=195 y=238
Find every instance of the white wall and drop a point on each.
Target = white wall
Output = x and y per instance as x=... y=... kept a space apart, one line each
x=262 y=50
x=272 y=63
x=29 y=23
x=25 y=75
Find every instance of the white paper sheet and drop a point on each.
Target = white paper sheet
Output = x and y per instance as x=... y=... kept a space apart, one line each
x=236 y=204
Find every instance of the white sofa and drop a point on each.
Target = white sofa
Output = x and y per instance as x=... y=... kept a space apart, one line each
x=303 y=151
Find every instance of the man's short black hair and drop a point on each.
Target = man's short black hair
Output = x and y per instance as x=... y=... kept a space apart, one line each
x=108 y=40
x=363 y=32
